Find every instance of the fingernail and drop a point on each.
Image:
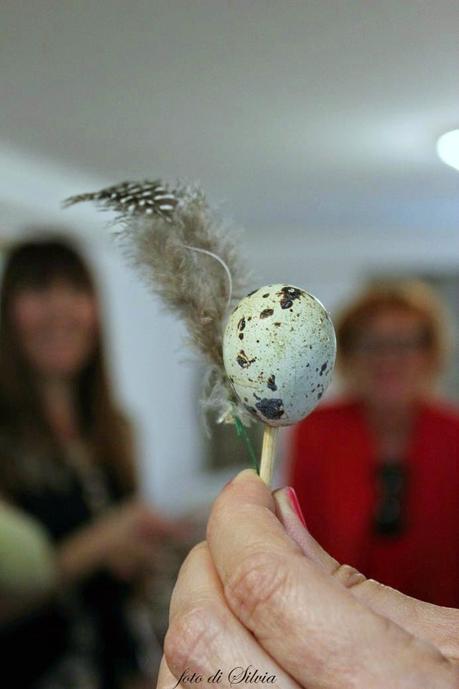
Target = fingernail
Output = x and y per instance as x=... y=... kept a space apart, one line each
x=293 y=499
x=288 y=508
x=289 y=513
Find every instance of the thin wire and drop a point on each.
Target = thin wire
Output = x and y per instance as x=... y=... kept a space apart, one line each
x=222 y=263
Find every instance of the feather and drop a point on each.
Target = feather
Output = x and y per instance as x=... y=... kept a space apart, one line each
x=184 y=254
x=132 y=197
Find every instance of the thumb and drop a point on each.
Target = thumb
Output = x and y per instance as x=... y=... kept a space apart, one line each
x=432 y=623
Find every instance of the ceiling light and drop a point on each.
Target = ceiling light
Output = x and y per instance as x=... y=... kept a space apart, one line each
x=448 y=148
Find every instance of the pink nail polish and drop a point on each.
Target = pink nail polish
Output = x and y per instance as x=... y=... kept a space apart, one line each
x=295 y=504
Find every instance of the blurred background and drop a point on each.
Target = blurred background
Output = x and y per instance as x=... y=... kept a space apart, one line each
x=311 y=125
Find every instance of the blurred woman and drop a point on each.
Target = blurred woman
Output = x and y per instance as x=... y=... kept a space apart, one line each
x=377 y=472
x=67 y=465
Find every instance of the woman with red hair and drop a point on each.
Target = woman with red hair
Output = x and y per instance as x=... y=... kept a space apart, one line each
x=377 y=472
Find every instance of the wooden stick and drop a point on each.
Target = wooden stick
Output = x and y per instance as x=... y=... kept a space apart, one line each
x=268 y=453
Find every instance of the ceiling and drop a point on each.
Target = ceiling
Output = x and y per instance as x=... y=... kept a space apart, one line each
x=301 y=114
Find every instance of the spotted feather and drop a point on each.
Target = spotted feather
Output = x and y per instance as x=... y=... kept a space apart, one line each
x=136 y=198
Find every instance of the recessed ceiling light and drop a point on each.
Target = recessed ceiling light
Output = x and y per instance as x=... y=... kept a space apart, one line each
x=448 y=148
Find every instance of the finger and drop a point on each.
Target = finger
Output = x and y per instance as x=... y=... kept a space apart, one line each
x=153 y=527
x=204 y=638
x=430 y=622
x=166 y=679
x=135 y=557
x=305 y=619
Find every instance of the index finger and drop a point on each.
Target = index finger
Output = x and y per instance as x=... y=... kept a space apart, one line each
x=313 y=627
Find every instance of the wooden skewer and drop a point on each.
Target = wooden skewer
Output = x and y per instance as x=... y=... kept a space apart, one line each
x=268 y=452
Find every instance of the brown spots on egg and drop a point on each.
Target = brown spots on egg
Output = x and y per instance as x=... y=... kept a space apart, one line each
x=288 y=296
x=271 y=408
x=323 y=368
x=320 y=391
x=241 y=324
x=266 y=295
x=243 y=360
x=272 y=382
x=251 y=409
x=266 y=313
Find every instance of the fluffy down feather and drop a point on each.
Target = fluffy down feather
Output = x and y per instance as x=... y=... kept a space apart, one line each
x=184 y=254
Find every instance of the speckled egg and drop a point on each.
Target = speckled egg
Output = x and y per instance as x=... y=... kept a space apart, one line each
x=279 y=350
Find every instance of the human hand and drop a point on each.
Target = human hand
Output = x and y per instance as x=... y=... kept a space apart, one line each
x=129 y=537
x=262 y=593
x=125 y=540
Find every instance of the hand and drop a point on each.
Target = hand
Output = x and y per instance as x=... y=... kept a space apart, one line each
x=130 y=538
x=262 y=593
x=125 y=540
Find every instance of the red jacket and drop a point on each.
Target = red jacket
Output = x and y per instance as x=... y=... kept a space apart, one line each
x=333 y=472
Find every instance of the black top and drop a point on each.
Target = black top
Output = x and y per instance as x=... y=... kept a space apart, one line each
x=84 y=634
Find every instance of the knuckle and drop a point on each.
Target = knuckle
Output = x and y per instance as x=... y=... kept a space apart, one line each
x=196 y=549
x=189 y=638
x=193 y=558
x=258 y=587
x=193 y=555
x=348 y=576
x=219 y=515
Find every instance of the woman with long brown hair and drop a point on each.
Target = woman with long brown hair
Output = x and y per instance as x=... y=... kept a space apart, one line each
x=66 y=461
